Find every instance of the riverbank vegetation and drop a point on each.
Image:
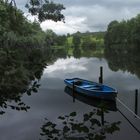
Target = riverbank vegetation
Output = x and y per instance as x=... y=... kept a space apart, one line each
x=122 y=48
x=17 y=31
x=123 y=32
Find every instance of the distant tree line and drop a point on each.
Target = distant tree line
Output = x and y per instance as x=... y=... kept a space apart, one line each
x=77 y=44
x=52 y=39
x=124 y=32
x=88 y=40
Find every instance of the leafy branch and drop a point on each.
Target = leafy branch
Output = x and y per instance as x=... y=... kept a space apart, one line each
x=45 y=10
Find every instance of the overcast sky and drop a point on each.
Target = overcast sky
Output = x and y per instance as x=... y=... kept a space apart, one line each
x=89 y=15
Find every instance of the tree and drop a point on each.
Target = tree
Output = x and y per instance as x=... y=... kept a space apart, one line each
x=61 y=40
x=45 y=10
x=88 y=43
x=136 y=30
x=24 y=34
x=76 y=40
x=124 y=32
x=50 y=38
x=109 y=36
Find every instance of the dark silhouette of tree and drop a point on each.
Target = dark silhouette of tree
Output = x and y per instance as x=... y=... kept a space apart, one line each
x=19 y=76
x=45 y=10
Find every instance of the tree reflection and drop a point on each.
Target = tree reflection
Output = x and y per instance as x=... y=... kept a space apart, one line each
x=77 y=52
x=54 y=54
x=88 y=127
x=124 y=58
x=20 y=71
x=80 y=127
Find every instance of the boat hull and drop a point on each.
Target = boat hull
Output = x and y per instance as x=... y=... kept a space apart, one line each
x=95 y=102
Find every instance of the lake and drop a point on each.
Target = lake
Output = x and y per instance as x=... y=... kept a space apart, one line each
x=52 y=101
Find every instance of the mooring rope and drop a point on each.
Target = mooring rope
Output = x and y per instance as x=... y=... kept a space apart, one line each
x=130 y=122
x=128 y=108
x=126 y=117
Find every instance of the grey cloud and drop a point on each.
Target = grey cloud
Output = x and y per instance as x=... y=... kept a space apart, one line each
x=98 y=16
x=96 y=13
x=21 y=4
x=105 y=3
x=86 y=3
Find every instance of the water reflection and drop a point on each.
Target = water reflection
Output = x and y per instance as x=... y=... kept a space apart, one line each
x=123 y=57
x=20 y=76
x=95 y=102
x=90 y=125
x=20 y=71
x=54 y=54
x=77 y=52
x=68 y=65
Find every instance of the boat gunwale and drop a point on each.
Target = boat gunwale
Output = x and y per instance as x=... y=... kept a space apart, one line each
x=114 y=91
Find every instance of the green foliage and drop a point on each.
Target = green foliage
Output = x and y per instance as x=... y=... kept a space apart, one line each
x=117 y=33
x=50 y=38
x=124 y=32
x=61 y=40
x=135 y=31
x=122 y=45
x=76 y=40
x=17 y=31
x=88 y=44
x=43 y=9
x=72 y=128
x=69 y=40
x=23 y=34
x=82 y=44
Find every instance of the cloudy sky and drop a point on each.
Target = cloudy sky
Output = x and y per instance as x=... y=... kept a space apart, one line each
x=89 y=15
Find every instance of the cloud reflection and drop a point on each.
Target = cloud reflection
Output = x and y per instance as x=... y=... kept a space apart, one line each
x=68 y=65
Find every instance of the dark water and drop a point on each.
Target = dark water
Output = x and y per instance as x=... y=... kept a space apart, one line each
x=52 y=101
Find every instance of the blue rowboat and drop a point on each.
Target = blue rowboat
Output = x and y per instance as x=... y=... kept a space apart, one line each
x=91 y=89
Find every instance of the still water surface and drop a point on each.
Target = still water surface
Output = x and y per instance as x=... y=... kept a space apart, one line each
x=52 y=101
